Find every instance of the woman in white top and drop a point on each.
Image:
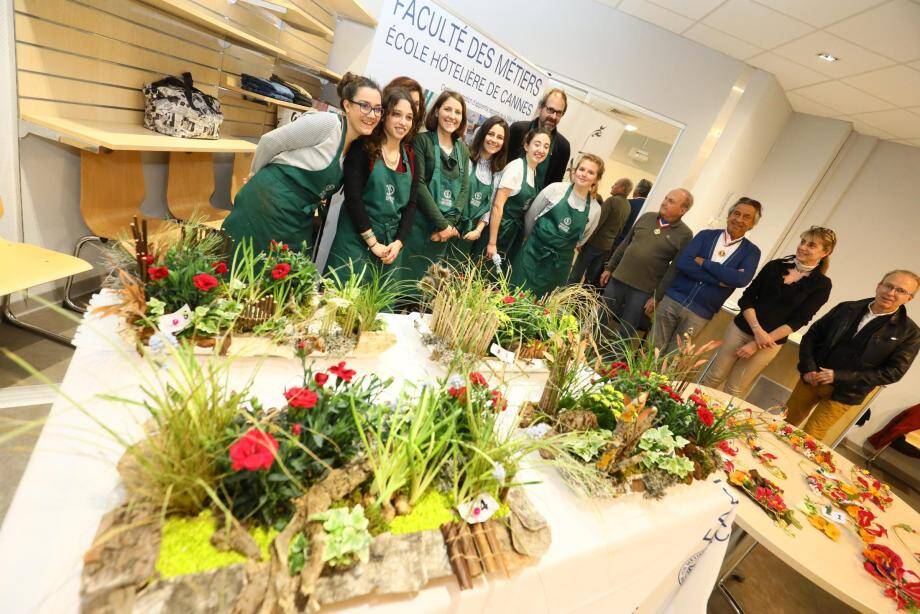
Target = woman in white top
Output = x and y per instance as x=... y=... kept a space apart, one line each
x=298 y=166
x=515 y=193
x=562 y=216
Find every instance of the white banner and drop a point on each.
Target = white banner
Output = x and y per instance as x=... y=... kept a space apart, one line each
x=425 y=41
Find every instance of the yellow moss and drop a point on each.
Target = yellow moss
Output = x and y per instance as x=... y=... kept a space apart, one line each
x=432 y=510
x=186 y=546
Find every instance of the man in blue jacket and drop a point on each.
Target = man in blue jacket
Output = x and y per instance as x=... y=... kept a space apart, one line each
x=709 y=269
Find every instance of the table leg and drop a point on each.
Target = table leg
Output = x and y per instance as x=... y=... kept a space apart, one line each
x=742 y=548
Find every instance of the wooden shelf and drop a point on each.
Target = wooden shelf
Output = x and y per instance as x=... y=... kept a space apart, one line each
x=232 y=85
x=189 y=11
x=351 y=9
x=299 y=18
x=316 y=69
x=94 y=135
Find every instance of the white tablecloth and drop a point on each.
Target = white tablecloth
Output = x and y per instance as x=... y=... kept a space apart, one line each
x=622 y=555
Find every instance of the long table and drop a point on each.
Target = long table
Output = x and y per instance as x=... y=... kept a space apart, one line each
x=623 y=555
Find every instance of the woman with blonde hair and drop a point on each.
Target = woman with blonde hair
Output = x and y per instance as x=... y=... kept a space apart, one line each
x=561 y=217
x=783 y=297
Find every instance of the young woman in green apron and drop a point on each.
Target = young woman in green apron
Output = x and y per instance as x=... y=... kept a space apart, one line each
x=515 y=192
x=562 y=216
x=442 y=184
x=379 y=203
x=488 y=156
x=298 y=166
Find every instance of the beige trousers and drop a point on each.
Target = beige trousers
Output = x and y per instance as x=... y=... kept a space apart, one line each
x=737 y=374
x=827 y=412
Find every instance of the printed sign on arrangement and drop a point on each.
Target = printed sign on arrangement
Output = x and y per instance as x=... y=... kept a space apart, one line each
x=425 y=41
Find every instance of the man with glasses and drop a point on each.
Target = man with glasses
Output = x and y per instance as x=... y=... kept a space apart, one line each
x=551 y=109
x=855 y=347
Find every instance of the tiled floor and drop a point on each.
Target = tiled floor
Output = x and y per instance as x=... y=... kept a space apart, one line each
x=764 y=583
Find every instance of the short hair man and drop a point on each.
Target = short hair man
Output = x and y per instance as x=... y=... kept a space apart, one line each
x=637 y=269
x=855 y=347
x=552 y=107
x=708 y=270
x=640 y=193
x=595 y=253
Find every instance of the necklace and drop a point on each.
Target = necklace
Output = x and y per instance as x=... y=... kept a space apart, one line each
x=392 y=164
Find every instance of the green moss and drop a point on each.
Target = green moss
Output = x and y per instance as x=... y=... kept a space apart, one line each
x=186 y=547
x=432 y=510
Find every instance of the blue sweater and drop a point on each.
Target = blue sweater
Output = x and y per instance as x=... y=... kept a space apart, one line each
x=703 y=288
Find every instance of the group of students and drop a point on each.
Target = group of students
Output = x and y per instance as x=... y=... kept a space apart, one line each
x=414 y=197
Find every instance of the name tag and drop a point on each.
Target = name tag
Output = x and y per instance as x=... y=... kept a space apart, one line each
x=502 y=354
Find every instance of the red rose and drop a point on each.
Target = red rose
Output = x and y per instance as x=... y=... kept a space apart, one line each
x=281 y=270
x=204 y=282
x=219 y=268
x=157 y=272
x=478 y=379
x=303 y=398
x=321 y=379
x=253 y=451
x=278 y=245
x=148 y=259
x=296 y=429
x=499 y=403
x=457 y=393
x=508 y=300
x=341 y=372
x=810 y=444
x=705 y=416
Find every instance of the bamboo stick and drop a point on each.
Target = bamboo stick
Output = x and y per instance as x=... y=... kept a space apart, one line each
x=469 y=551
x=455 y=555
x=489 y=530
x=482 y=546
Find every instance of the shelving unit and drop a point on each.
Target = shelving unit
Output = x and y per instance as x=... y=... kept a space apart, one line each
x=297 y=17
x=322 y=71
x=232 y=85
x=351 y=9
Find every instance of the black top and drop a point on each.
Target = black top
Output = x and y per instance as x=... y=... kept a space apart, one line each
x=635 y=206
x=777 y=303
x=880 y=354
x=357 y=169
x=559 y=154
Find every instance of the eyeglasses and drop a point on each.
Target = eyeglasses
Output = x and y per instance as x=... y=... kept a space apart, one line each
x=368 y=108
x=896 y=289
x=552 y=111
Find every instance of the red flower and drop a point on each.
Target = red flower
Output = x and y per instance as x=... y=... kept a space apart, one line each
x=458 y=393
x=341 y=372
x=508 y=300
x=281 y=270
x=303 y=398
x=204 y=282
x=477 y=379
x=253 y=451
x=616 y=367
x=810 y=444
x=219 y=268
x=296 y=429
x=321 y=379
x=148 y=259
x=278 y=246
x=727 y=447
x=705 y=416
x=498 y=402
x=157 y=272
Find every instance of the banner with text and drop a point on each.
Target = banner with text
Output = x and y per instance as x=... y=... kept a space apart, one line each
x=425 y=41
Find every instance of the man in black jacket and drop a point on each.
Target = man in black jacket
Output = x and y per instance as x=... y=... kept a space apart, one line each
x=552 y=107
x=855 y=347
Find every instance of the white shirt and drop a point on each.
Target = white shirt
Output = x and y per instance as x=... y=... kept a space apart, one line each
x=869 y=317
x=724 y=247
x=511 y=176
x=550 y=197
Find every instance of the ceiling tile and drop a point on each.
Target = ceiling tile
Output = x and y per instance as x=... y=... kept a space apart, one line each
x=819 y=12
x=864 y=128
x=789 y=74
x=755 y=24
x=655 y=14
x=897 y=84
x=721 y=42
x=898 y=122
x=892 y=29
x=804 y=105
x=840 y=96
x=853 y=59
x=694 y=9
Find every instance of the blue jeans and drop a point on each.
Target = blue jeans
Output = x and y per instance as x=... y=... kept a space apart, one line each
x=625 y=309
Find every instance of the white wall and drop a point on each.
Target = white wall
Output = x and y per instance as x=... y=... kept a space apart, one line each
x=580 y=120
x=9 y=158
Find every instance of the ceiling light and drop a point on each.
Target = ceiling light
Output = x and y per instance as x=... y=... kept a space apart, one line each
x=827 y=57
x=630 y=128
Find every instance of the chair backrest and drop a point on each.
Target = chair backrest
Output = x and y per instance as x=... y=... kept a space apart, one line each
x=190 y=185
x=111 y=191
x=1 y=207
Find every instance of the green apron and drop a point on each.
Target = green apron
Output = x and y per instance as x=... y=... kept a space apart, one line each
x=279 y=202
x=420 y=250
x=385 y=196
x=511 y=226
x=459 y=250
x=546 y=257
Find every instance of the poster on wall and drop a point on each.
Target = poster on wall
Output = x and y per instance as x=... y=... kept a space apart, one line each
x=423 y=40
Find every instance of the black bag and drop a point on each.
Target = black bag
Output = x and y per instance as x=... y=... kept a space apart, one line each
x=175 y=108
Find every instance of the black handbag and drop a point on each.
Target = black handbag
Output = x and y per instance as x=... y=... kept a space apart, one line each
x=172 y=106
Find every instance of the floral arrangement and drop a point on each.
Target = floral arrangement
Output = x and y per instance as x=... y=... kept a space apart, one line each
x=767 y=495
x=764 y=457
x=818 y=520
x=804 y=444
x=849 y=499
x=902 y=585
x=871 y=488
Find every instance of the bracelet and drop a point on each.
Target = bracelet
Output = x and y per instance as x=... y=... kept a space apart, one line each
x=367 y=234
x=372 y=245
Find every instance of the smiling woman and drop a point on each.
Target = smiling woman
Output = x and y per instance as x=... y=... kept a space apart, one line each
x=298 y=166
